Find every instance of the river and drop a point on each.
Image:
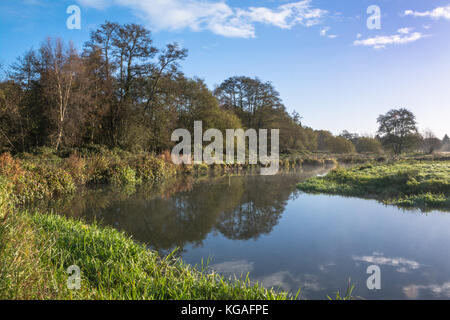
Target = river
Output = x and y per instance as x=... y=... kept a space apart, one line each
x=263 y=226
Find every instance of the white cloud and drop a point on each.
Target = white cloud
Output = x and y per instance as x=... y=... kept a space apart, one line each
x=402 y=265
x=439 y=12
x=324 y=33
x=98 y=4
x=290 y=282
x=404 y=30
x=216 y=16
x=403 y=36
x=439 y=290
x=237 y=268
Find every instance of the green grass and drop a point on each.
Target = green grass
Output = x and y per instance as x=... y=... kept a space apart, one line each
x=422 y=184
x=37 y=249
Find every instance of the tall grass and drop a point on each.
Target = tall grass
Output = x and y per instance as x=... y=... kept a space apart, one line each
x=38 y=248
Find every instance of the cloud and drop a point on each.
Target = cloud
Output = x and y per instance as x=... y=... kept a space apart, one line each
x=324 y=33
x=404 y=30
x=402 y=265
x=289 y=282
x=439 y=12
x=403 y=36
x=438 y=290
x=237 y=267
x=215 y=16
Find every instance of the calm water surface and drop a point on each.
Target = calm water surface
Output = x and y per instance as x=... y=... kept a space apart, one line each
x=284 y=238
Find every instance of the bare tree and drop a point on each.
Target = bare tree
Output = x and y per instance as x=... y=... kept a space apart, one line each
x=430 y=142
x=58 y=66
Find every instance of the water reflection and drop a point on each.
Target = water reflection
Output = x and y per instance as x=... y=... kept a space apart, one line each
x=185 y=211
x=281 y=237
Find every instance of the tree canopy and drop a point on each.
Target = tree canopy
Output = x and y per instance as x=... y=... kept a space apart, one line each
x=398 y=129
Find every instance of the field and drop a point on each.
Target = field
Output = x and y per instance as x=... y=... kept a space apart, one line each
x=422 y=184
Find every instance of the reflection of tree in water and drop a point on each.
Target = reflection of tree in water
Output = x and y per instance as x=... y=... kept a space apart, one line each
x=187 y=217
x=258 y=210
x=240 y=208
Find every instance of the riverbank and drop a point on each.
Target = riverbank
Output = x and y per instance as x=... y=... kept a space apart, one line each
x=45 y=174
x=421 y=184
x=38 y=248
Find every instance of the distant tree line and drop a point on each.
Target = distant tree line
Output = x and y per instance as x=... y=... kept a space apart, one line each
x=122 y=92
x=398 y=133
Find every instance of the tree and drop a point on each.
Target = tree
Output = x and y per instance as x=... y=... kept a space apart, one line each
x=446 y=143
x=253 y=101
x=259 y=106
x=297 y=118
x=398 y=129
x=353 y=137
x=339 y=145
x=326 y=142
x=430 y=142
x=368 y=145
x=58 y=69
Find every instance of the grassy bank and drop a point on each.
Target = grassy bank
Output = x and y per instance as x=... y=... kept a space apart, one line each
x=423 y=184
x=36 y=250
x=45 y=174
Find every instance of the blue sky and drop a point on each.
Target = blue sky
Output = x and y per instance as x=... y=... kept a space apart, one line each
x=320 y=55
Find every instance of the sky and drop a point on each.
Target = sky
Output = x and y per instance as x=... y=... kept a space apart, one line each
x=325 y=57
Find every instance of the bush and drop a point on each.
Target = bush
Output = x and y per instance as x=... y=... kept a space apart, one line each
x=41 y=182
x=153 y=169
x=10 y=167
x=97 y=169
x=123 y=176
x=76 y=166
x=339 y=145
x=5 y=198
x=368 y=145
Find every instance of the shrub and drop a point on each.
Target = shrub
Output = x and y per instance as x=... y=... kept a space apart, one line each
x=97 y=169
x=368 y=145
x=123 y=176
x=5 y=198
x=10 y=167
x=40 y=182
x=201 y=169
x=76 y=166
x=152 y=169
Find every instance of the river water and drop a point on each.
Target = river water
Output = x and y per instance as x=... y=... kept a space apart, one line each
x=263 y=226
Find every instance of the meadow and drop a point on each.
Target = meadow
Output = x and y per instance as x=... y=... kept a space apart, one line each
x=406 y=183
